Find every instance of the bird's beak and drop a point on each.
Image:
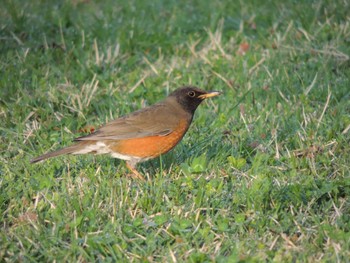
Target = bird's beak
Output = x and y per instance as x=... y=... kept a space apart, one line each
x=210 y=94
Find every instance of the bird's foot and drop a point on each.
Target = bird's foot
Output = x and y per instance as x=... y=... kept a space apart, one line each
x=135 y=173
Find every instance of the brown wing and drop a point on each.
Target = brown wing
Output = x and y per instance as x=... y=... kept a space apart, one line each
x=158 y=119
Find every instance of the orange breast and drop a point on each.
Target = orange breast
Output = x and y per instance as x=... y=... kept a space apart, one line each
x=152 y=146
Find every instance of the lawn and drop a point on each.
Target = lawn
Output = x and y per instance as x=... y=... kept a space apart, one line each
x=263 y=173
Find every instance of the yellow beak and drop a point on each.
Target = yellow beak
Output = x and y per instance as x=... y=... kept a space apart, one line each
x=209 y=95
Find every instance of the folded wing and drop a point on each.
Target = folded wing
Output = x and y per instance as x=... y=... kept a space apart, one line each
x=147 y=122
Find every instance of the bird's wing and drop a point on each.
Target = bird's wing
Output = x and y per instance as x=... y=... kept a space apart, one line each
x=157 y=120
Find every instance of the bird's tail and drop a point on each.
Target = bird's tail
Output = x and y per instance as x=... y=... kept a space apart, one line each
x=67 y=150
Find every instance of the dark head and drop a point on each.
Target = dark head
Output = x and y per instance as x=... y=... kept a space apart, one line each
x=190 y=97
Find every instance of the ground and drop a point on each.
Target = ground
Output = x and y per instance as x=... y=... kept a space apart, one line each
x=261 y=175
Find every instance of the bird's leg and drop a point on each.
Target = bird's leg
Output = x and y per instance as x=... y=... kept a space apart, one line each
x=131 y=167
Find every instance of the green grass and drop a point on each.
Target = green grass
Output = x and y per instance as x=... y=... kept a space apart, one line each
x=262 y=174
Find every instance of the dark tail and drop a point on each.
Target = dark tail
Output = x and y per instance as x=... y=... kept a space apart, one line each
x=67 y=150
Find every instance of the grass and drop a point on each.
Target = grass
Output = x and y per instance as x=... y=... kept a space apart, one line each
x=262 y=174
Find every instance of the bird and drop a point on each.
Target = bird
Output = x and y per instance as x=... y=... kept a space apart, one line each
x=144 y=134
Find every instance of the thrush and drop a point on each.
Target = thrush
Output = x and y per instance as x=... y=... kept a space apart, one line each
x=143 y=134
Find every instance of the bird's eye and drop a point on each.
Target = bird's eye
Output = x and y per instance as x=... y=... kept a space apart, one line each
x=191 y=94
